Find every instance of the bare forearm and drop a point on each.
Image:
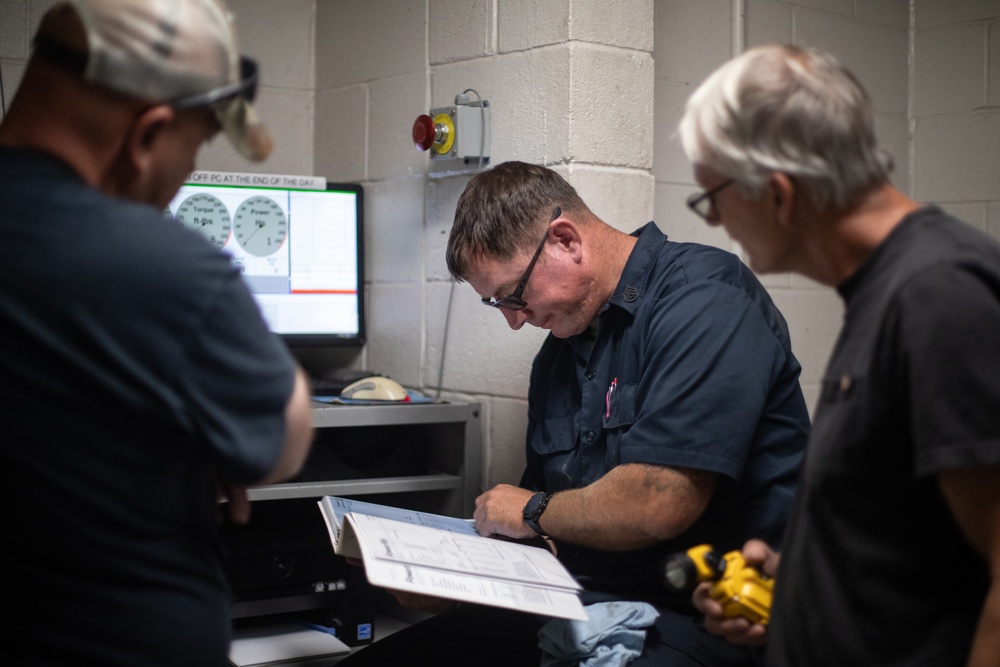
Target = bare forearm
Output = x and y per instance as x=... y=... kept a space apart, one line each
x=632 y=507
x=588 y=518
x=986 y=642
x=973 y=495
x=298 y=432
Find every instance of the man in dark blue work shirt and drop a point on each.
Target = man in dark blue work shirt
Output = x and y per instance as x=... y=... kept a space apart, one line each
x=665 y=412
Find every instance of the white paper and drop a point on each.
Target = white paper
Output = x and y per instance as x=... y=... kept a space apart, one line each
x=340 y=507
x=334 y=509
x=281 y=642
x=444 y=550
x=555 y=602
x=445 y=557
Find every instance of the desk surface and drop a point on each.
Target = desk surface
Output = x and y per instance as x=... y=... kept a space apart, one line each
x=384 y=626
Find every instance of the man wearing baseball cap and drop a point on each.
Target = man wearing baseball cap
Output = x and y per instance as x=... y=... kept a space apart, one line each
x=138 y=381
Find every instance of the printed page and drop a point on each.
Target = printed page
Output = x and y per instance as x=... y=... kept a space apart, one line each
x=343 y=506
x=333 y=526
x=334 y=510
x=555 y=602
x=428 y=547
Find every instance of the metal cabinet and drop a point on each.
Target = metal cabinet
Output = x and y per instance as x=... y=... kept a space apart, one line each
x=421 y=456
x=429 y=452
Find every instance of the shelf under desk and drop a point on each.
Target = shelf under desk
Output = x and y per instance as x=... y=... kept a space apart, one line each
x=359 y=487
x=423 y=456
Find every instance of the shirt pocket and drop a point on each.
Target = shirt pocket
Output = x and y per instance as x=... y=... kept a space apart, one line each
x=553 y=448
x=620 y=407
x=841 y=427
x=554 y=435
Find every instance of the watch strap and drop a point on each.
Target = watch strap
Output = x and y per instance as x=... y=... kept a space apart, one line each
x=533 y=511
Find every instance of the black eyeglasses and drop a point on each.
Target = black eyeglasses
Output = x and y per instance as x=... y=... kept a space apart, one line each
x=514 y=300
x=245 y=88
x=703 y=203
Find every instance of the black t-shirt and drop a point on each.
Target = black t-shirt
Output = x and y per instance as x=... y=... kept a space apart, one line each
x=874 y=570
x=135 y=371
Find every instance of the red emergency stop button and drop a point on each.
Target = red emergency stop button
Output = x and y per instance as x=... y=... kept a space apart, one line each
x=423 y=132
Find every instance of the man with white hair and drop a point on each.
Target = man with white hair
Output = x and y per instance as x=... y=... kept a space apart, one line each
x=894 y=542
x=137 y=378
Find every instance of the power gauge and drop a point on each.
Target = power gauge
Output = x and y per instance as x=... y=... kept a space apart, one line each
x=260 y=226
x=208 y=215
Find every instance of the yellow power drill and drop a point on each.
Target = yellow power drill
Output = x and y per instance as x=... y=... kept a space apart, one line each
x=741 y=589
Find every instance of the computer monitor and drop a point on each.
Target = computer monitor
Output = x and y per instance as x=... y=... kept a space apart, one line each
x=298 y=242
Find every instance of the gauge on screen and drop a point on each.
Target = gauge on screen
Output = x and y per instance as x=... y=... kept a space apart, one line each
x=260 y=226
x=208 y=215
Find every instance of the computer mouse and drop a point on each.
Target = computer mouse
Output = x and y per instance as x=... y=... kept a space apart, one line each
x=375 y=388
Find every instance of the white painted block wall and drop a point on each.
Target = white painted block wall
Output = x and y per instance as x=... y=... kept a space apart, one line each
x=956 y=108
x=938 y=116
x=595 y=88
x=570 y=86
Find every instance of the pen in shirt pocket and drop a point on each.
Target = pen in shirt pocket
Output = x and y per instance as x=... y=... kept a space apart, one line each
x=607 y=399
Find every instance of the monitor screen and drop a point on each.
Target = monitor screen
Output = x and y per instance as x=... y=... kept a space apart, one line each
x=297 y=241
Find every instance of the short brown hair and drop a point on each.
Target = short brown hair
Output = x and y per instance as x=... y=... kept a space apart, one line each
x=503 y=209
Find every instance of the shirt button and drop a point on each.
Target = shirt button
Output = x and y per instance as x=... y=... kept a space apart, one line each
x=590 y=436
x=591 y=375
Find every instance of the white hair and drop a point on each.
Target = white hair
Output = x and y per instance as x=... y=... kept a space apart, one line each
x=789 y=109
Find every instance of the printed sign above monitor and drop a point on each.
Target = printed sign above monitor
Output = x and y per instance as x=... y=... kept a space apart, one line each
x=297 y=241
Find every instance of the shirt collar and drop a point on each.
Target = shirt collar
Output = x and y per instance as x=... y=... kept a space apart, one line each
x=850 y=285
x=632 y=286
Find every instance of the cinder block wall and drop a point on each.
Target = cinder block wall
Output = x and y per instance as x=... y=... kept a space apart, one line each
x=571 y=84
x=281 y=36
x=693 y=37
x=956 y=108
x=933 y=70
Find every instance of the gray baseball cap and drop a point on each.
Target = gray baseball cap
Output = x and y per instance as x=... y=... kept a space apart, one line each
x=178 y=52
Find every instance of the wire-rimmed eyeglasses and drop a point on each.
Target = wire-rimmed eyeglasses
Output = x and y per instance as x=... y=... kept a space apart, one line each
x=514 y=301
x=703 y=204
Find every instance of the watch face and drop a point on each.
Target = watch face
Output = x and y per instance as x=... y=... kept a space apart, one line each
x=533 y=511
x=533 y=505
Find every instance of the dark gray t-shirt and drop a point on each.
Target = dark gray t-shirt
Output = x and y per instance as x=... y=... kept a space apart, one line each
x=874 y=570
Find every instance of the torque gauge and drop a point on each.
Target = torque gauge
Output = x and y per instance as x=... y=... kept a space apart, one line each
x=208 y=215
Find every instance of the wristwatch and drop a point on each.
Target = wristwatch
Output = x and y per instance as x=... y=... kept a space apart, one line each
x=533 y=511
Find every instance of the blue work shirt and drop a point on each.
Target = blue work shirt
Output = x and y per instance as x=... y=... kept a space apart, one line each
x=689 y=365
